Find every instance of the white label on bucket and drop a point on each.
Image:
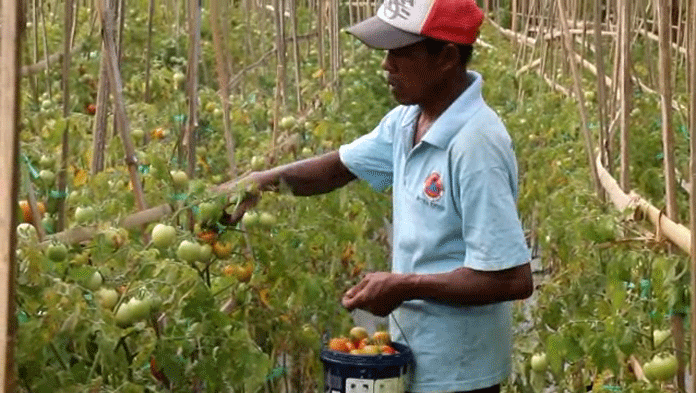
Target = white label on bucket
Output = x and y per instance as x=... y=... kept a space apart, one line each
x=354 y=385
x=389 y=385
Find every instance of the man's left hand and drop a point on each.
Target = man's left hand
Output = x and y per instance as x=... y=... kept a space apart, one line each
x=379 y=293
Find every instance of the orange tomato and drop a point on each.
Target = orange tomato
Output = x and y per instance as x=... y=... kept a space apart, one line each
x=26 y=210
x=362 y=343
x=381 y=337
x=207 y=236
x=222 y=249
x=158 y=133
x=387 y=350
x=339 y=344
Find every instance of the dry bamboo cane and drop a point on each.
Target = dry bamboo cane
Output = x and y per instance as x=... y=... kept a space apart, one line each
x=691 y=50
x=65 y=148
x=296 y=53
x=223 y=71
x=280 y=76
x=148 y=52
x=626 y=92
x=100 y=118
x=320 y=37
x=589 y=144
x=10 y=64
x=601 y=86
x=44 y=34
x=116 y=88
x=665 y=65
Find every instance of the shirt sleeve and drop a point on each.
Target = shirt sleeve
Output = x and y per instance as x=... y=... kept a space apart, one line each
x=371 y=157
x=491 y=228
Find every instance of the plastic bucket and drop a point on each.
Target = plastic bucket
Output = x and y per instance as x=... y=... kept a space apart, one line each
x=346 y=373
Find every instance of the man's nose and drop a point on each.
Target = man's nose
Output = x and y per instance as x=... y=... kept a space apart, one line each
x=386 y=63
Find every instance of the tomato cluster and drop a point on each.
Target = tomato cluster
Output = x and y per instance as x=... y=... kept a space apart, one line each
x=359 y=342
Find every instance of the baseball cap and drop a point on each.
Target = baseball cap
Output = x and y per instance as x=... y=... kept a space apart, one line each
x=400 y=23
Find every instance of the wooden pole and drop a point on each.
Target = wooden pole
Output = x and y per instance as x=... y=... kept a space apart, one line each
x=626 y=91
x=116 y=88
x=601 y=85
x=691 y=63
x=665 y=77
x=589 y=144
x=10 y=65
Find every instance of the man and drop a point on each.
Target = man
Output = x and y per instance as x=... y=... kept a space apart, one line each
x=459 y=251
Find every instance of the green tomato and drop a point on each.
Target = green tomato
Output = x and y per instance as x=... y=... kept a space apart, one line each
x=47 y=162
x=27 y=231
x=163 y=235
x=250 y=219
x=47 y=175
x=660 y=336
x=188 y=251
x=107 y=297
x=209 y=212
x=288 y=122
x=138 y=134
x=267 y=219
x=257 y=163
x=140 y=308
x=95 y=281
x=180 y=179
x=56 y=251
x=539 y=362
x=206 y=253
x=84 y=214
x=123 y=315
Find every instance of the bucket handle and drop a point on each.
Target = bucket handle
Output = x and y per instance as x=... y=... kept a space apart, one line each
x=399 y=327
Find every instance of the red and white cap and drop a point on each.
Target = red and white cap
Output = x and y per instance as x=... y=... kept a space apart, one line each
x=400 y=23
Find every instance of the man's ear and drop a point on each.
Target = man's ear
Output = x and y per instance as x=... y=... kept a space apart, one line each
x=449 y=57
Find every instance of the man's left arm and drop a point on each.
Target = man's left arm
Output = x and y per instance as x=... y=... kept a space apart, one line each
x=381 y=292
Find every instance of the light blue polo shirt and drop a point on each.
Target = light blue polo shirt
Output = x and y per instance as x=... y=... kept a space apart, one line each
x=454 y=202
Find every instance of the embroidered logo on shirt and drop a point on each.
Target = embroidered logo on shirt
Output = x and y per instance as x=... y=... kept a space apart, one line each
x=433 y=188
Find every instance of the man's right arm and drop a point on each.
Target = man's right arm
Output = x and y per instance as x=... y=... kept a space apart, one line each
x=312 y=176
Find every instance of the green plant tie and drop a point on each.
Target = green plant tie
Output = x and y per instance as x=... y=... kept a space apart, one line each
x=57 y=194
x=32 y=171
x=276 y=373
x=144 y=169
x=180 y=196
x=682 y=129
x=644 y=288
x=22 y=316
x=180 y=118
x=612 y=388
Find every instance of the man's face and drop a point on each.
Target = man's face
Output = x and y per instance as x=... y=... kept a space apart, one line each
x=412 y=74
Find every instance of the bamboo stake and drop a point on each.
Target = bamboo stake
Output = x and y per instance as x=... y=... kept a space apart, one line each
x=601 y=86
x=691 y=66
x=65 y=148
x=10 y=63
x=296 y=54
x=191 y=130
x=148 y=50
x=101 y=116
x=665 y=63
x=589 y=145
x=116 y=88
x=49 y=88
x=626 y=93
x=223 y=72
